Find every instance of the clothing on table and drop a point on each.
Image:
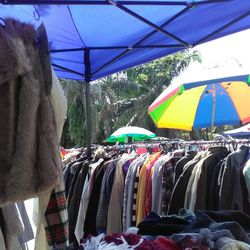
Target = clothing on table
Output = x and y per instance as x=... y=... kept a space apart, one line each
x=154 y=225
x=127 y=241
x=225 y=243
x=209 y=224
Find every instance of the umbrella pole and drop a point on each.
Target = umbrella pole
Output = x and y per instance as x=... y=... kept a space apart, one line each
x=214 y=105
x=87 y=100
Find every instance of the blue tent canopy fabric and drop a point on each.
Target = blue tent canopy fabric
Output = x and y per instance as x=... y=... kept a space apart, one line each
x=92 y=39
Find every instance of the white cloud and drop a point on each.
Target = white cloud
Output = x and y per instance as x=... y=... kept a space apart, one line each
x=223 y=57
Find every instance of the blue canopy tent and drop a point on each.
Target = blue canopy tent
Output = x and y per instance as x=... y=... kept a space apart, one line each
x=241 y=132
x=95 y=38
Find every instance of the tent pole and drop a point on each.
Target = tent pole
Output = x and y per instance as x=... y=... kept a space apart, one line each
x=87 y=100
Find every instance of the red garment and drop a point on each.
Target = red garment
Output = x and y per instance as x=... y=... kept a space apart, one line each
x=141 y=151
x=167 y=243
x=148 y=192
x=56 y=219
x=160 y=243
x=190 y=242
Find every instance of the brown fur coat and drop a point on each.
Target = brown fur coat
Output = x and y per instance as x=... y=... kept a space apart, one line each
x=29 y=154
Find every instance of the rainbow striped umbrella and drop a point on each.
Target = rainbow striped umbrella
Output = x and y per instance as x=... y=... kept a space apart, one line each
x=203 y=104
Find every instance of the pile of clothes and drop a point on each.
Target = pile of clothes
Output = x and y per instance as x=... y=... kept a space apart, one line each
x=203 y=230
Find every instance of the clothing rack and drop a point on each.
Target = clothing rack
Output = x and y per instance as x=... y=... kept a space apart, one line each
x=178 y=142
x=168 y=145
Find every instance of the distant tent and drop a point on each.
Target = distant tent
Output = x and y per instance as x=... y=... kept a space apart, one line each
x=242 y=132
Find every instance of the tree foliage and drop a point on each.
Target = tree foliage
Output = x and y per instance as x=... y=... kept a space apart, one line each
x=123 y=98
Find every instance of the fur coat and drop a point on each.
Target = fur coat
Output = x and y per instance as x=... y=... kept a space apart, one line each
x=29 y=152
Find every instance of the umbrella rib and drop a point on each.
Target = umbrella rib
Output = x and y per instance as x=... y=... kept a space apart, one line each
x=143 y=39
x=214 y=105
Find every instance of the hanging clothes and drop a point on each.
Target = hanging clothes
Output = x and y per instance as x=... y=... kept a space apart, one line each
x=90 y=221
x=114 y=218
x=106 y=189
x=53 y=232
x=126 y=187
x=141 y=194
x=29 y=148
x=177 y=199
x=168 y=179
x=28 y=233
x=128 y=196
x=13 y=226
x=157 y=183
x=81 y=215
x=204 y=181
x=231 y=196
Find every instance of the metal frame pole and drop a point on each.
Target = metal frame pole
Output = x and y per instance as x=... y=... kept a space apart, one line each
x=87 y=100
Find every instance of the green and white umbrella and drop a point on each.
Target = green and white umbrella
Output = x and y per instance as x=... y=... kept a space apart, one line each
x=136 y=133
